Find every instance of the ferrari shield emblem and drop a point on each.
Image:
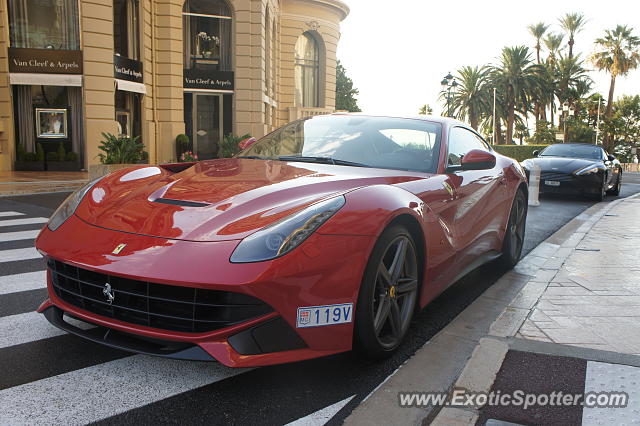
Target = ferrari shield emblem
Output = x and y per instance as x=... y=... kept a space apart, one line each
x=118 y=249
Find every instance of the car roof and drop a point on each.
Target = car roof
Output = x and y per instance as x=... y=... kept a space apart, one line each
x=432 y=118
x=577 y=143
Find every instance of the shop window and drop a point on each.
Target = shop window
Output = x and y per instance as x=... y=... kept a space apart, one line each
x=126 y=28
x=44 y=24
x=128 y=113
x=307 y=71
x=207 y=35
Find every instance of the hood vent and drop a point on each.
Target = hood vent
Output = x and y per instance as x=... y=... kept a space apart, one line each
x=180 y=202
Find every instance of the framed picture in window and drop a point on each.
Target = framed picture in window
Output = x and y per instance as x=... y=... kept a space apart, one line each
x=51 y=123
x=122 y=118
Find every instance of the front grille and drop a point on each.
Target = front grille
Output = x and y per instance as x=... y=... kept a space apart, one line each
x=560 y=177
x=168 y=307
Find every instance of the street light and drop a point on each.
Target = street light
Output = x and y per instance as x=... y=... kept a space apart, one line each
x=566 y=109
x=449 y=82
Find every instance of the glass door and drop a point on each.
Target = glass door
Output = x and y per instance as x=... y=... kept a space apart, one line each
x=207 y=125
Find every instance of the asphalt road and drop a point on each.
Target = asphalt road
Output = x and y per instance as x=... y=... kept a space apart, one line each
x=114 y=387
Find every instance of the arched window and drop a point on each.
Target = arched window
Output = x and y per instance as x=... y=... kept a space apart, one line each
x=307 y=71
x=207 y=34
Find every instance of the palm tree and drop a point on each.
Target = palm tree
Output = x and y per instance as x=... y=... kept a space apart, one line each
x=552 y=41
x=517 y=77
x=537 y=31
x=572 y=23
x=425 y=110
x=471 y=100
x=616 y=53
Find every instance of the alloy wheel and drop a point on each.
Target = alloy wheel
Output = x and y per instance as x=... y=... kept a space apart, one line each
x=517 y=223
x=396 y=287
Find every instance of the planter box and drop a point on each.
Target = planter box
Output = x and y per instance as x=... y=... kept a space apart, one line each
x=99 y=170
x=28 y=166
x=63 y=166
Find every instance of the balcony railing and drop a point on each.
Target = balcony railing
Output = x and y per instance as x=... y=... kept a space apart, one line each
x=296 y=113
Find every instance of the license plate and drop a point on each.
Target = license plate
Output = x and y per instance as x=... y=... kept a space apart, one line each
x=552 y=182
x=317 y=316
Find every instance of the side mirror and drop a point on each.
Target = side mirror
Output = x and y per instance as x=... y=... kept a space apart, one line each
x=477 y=159
x=246 y=143
x=535 y=153
x=610 y=157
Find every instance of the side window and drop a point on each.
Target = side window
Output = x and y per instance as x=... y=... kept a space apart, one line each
x=462 y=141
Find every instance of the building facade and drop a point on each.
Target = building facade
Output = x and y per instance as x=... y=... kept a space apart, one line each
x=71 y=70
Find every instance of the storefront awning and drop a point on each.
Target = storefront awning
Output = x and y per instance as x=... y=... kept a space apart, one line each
x=131 y=86
x=46 y=79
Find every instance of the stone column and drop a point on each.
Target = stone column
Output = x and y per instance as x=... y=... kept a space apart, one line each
x=7 y=138
x=168 y=77
x=98 y=86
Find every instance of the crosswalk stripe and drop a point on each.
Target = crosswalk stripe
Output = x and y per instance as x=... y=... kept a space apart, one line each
x=29 y=327
x=2 y=214
x=19 y=254
x=25 y=221
x=23 y=282
x=20 y=235
x=321 y=417
x=94 y=393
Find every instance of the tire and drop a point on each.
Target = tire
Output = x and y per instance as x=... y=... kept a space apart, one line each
x=603 y=191
x=616 y=189
x=388 y=294
x=514 y=235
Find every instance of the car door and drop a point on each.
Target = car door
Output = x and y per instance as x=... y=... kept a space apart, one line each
x=481 y=197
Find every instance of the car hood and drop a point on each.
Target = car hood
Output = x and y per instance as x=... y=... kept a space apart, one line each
x=218 y=200
x=561 y=164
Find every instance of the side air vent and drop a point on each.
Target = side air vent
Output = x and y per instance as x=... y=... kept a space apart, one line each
x=180 y=202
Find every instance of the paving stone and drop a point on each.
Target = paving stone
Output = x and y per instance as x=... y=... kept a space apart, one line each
x=575 y=335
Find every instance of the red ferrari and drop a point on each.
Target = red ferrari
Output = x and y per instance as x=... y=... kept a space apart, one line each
x=323 y=236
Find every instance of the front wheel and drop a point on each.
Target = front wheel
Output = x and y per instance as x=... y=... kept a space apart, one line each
x=616 y=189
x=514 y=235
x=388 y=294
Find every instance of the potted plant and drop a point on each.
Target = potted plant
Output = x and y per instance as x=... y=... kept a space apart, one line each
x=118 y=152
x=27 y=161
x=62 y=161
x=182 y=144
x=230 y=145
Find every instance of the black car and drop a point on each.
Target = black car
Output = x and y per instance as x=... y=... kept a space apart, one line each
x=577 y=168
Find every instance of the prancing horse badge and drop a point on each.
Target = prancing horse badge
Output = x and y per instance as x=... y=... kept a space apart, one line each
x=118 y=249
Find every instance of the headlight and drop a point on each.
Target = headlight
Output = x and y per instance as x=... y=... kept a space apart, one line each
x=587 y=170
x=285 y=235
x=69 y=206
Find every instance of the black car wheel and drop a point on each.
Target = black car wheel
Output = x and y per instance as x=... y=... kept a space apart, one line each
x=514 y=235
x=388 y=294
x=603 y=190
x=616 y=189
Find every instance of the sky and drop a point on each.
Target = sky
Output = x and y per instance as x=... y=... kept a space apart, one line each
x=397 y=52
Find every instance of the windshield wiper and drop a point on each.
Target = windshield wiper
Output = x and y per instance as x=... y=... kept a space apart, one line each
x=323 y=160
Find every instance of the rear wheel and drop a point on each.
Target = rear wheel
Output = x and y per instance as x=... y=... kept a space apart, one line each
x=514 y=235
x=388 y=294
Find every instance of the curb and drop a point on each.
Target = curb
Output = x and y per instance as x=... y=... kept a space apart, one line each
x=469 y=351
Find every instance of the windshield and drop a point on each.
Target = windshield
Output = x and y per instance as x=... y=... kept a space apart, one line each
x=590 y=152
x=390 y=143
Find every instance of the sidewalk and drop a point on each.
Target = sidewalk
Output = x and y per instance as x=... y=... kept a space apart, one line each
x=16 y=183
x=567 y=318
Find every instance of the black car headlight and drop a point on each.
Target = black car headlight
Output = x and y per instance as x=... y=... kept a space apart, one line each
x=69 y=206
x=285 y=235
x=587 y=170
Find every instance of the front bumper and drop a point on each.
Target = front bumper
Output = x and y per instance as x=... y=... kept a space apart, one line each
x=590 y=184
x=325 y=269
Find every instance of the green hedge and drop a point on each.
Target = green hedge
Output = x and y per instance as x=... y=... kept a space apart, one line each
x=518 y=152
